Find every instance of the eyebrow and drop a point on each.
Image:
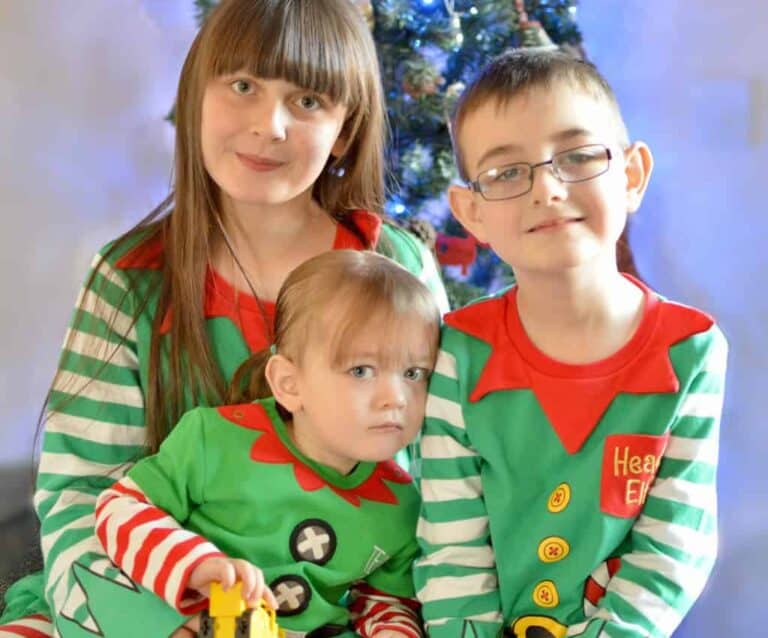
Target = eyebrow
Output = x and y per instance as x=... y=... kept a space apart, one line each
x=506 y=149
x=414 y=358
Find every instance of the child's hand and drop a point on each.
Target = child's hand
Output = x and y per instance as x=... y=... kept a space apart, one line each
x=189 y=629
x=228 y=571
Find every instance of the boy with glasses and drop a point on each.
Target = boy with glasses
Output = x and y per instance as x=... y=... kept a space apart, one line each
x=570 y=444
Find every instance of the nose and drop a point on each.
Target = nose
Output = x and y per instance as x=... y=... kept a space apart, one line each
x=269 y=118
x=547 y=187
x=391 y=391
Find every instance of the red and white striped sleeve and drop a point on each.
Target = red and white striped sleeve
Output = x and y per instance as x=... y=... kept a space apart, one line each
x=150 y=546
x=373 y=611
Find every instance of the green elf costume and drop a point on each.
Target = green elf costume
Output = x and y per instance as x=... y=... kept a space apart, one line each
x=94 y=430
x=240 y=488
x=569 y=500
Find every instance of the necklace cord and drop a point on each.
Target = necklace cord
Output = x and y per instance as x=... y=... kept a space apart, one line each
x=268 y=327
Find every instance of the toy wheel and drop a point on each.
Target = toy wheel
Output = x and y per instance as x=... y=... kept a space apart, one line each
x=243 y=627
x=206 y=625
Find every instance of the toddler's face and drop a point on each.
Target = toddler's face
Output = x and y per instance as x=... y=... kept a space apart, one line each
x=555 y=225
x=370 y=404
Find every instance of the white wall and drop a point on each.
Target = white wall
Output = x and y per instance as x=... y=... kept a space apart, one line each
x=84 y=153
x=693 y=82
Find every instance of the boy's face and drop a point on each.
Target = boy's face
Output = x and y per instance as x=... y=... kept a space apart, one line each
x=556 y=225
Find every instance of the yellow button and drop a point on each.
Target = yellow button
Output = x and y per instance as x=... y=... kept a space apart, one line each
x=553 y=549
x=559 y=498
x=545 y=594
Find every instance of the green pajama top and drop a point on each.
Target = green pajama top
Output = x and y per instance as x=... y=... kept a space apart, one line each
x=95 y=426
x=236 y=483
x=569 y=500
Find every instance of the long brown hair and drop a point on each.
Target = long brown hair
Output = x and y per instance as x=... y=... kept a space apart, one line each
x=332 y=298
x=320 y=45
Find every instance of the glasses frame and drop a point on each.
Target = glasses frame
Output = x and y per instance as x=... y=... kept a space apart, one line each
x=475 y=187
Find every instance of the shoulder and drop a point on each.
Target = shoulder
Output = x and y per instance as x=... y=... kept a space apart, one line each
x=401 y=483
x=130 y=257
x=402 y=246
x=481 y=319
x=142 y=249
x=692 y=332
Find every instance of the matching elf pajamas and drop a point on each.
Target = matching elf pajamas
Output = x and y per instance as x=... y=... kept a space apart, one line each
x=569 y=500
x=232 y=477
x=95 y=431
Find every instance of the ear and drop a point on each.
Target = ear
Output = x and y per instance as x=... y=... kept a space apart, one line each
x=282 y=376
x=638 y=167
x=466 y=210
x=340 y=145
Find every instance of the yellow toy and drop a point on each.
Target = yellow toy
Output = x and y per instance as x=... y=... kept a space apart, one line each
x=229 y=617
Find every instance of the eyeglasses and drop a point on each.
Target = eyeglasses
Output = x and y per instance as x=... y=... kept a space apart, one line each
x=513 y=180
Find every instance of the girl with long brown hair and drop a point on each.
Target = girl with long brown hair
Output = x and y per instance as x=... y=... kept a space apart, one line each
x=279 y=157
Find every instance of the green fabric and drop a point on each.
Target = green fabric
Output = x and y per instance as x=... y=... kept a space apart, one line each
x=204 y=477
x=95 y=429
x=490 y=466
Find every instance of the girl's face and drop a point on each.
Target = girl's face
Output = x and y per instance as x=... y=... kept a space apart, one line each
x=265 y=142
x=370 y=404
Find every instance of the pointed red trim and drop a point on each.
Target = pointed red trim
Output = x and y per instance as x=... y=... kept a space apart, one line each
x=268 y=448
x=575 y=397
x=369 y=225
x=242 y=309
x=148 y=255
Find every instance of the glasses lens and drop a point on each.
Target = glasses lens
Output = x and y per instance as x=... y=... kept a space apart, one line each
x=578 y=164
x=505 y=181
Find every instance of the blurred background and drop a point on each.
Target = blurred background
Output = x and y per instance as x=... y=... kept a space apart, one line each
x=85 y=152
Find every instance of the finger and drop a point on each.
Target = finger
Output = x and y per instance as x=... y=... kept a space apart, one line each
x=258 y=587
x=270 y=599
x=227 y=575
x=247 y=574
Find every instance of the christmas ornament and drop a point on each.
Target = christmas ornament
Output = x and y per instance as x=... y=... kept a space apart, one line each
x=532 y=34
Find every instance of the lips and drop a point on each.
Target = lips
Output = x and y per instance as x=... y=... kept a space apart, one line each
x=258 y=162
x=551 y=224
x=387 y=427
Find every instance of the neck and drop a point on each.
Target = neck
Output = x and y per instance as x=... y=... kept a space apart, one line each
x=269 y=229
x=580 y=315
x=309 y=448
x=270 y=241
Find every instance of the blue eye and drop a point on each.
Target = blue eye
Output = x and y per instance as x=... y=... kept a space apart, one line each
x=511 y=173
x=309 y=102
x=574 y=158
x=242 y=87
x=417 y=374
x=361 y=372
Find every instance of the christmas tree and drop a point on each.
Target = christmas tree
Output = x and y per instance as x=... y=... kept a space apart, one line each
x=428 y=49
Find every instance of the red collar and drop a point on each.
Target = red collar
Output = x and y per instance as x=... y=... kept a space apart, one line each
x=268 y=448
x=575 y=397
x=222 y=300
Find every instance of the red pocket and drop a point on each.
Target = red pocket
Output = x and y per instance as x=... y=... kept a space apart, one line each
x=630 y=463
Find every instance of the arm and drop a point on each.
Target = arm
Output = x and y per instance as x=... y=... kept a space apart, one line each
x=673 y=543
x=384 y=604
x=138 y=518
x=455 y=576
x=93 y=432
x=377 y=613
